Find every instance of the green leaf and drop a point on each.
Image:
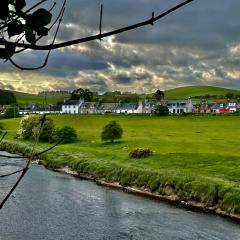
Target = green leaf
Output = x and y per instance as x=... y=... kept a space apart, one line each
x=42 y=17
x=14 y=28
x=19 y=5
x=30 y=37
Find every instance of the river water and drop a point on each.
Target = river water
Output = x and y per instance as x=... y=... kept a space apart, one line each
x=56 y=206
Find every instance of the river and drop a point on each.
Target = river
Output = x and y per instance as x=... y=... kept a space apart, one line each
x=55 y=206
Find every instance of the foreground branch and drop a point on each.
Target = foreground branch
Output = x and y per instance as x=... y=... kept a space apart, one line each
x=150 y=21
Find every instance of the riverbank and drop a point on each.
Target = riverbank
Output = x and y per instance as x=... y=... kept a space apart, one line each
x=172 y=199
x=178 y=189
x=195 y=159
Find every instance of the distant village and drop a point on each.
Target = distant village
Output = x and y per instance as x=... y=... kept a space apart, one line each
x=145 y=106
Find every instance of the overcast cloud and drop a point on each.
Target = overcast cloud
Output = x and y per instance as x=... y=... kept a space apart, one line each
x=196 y=45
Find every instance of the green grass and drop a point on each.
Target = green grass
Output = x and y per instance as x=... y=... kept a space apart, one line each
x=25 y=100
x=193 y=91
x=194 y=157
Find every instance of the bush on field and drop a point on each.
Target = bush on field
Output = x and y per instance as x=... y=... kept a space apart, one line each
x=1 y=128
x=67 y=133
x=161 y=110
x=30 y=127
x=111 y=132
x=140 y=153
x=11 y=112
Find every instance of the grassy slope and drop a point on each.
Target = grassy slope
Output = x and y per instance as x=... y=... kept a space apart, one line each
x=198 y=156
x=191 y=91
x=40 y=100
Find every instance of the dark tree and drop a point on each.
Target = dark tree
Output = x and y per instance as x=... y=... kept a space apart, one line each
x=159 y=95
x=23 y=26
x=7 y=97
x=81 y=93
x=111 y=132
x=229 y=95
x=128 y=97
x=11 y=112
x=161 y=110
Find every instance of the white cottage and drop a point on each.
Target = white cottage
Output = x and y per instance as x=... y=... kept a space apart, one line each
x=180 y=106
x=72 y=106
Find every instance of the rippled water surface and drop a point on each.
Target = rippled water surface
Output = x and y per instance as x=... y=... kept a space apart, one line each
x=54 y=206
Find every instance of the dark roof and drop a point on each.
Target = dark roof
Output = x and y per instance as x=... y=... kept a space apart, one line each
x=89 y=105
x=128 y=106
x=108 y=106
x=71 y=102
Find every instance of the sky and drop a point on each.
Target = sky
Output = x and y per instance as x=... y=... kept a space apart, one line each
x=198 y=44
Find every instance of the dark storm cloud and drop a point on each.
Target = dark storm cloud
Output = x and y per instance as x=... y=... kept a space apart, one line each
x=61 y=63
x=123 y=79
x=191 y=46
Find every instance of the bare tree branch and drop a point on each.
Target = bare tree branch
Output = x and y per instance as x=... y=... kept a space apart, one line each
x=103 y=35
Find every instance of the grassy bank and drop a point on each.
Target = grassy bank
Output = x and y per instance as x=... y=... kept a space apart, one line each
x=195 y=158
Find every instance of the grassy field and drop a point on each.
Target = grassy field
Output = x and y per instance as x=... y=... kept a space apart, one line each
x=194 y=157
x=25 y=100
x=192 y=91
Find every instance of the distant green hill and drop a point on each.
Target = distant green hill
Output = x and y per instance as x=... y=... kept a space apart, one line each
x=38 y=100
x=198 y=91
x=24 y=99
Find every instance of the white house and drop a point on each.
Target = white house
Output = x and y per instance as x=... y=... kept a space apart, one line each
x=107 y=108
x=232 y=106
x=127 y=108
x=180 y=106
x=72 y=106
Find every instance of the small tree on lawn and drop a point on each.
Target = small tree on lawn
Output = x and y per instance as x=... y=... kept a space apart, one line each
x=111 y=132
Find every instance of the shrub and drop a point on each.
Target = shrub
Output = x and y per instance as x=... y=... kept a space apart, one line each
x=11 y=112
x=30 y=126
x=111 y=132
x=140 y=153
x=1 y=128
x=161 y=110
x=67 y=133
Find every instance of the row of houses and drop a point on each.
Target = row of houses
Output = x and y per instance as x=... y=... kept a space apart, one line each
x=213 y=107
x=142 y=107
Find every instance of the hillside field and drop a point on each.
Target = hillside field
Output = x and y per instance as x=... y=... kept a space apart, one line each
x=199 y=155
x=195 y=91
x=25 y=100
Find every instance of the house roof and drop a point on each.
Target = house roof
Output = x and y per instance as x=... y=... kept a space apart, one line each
x=89 y=105
x=127 y=106
x=71 y=102
x=108 y=106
